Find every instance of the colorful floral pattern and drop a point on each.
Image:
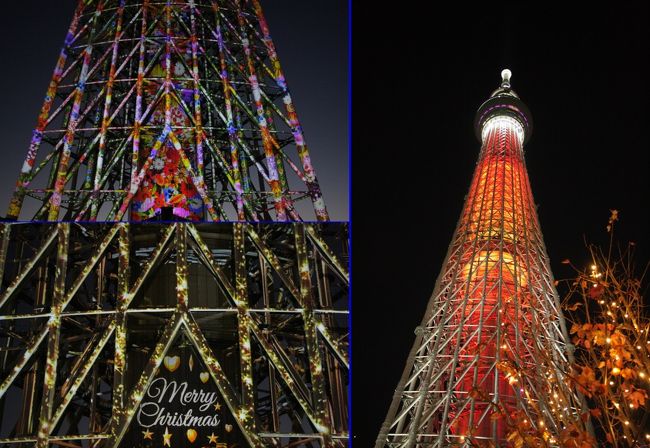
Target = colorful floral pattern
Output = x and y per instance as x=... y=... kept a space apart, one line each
x=167 y=184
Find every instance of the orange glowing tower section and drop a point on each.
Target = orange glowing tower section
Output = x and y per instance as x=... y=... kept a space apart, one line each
x=494 y=306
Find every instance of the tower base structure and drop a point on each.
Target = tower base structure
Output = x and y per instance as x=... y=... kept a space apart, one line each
x=221 y=335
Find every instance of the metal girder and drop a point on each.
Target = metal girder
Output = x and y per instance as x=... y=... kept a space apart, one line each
x=494 y=305
x=99 y=313
x=175 y=95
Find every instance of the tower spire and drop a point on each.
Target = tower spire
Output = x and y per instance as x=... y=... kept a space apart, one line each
x=494 y=305
x=505 y=78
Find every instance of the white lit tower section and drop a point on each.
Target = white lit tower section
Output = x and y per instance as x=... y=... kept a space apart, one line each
x=494 y=306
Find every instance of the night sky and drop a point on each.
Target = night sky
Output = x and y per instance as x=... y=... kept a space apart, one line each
x=312 y=42
x=419 y=76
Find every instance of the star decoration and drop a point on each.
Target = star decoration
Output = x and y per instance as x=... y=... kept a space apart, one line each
x=147 y=434
x=213 y=438
x=217 y=406
x=167 y=438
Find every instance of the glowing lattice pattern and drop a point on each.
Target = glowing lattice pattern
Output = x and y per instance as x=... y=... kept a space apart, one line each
x=494 y=305
x=175 y=109
x=90 y=314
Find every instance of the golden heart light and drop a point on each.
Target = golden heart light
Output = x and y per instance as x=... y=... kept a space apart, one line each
x=172 y=362
x=205 y=376
x=191 y=435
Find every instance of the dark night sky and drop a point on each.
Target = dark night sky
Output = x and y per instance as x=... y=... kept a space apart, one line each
x=312 y=42
x=419 y=76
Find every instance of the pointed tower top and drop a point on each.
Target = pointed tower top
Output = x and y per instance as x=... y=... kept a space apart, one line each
x=505 y=88
x=504 y=101
x=505 y=78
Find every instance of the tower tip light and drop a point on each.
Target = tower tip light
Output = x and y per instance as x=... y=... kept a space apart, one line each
x=505 y=77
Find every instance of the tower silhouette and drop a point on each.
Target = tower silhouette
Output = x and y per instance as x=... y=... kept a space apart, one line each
x=494 y=306
x=176 y=108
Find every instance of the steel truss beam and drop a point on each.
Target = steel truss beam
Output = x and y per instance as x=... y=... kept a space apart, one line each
x=494 y=310
x=97 y=311
x=139 y=82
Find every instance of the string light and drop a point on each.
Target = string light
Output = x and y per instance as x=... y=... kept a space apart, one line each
x=180 y=322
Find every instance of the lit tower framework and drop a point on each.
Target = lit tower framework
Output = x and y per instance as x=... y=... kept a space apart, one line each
x=494 y=305
x=95 y=317
x=172 y=108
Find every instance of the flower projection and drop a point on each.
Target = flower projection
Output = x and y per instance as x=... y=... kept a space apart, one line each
x=175 y=110
x=166 y=183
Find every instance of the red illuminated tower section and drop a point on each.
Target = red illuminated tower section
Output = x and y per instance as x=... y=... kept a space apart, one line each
x=493 y=305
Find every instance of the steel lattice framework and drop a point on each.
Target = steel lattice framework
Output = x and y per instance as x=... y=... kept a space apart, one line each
x=88 y=312
x=494 y=305
x=168 y=106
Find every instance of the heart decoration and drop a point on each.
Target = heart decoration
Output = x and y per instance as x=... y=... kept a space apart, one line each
x=228 y=428
x=205 y=376
x=172 y=362
x=191 y=435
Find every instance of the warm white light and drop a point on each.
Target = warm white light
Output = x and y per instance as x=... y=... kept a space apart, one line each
x=503 y=121
x=505 y=76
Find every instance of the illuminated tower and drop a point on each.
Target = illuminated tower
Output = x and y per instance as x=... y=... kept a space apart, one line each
x=227 y=335
x=494 y=306
x=174 y=109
